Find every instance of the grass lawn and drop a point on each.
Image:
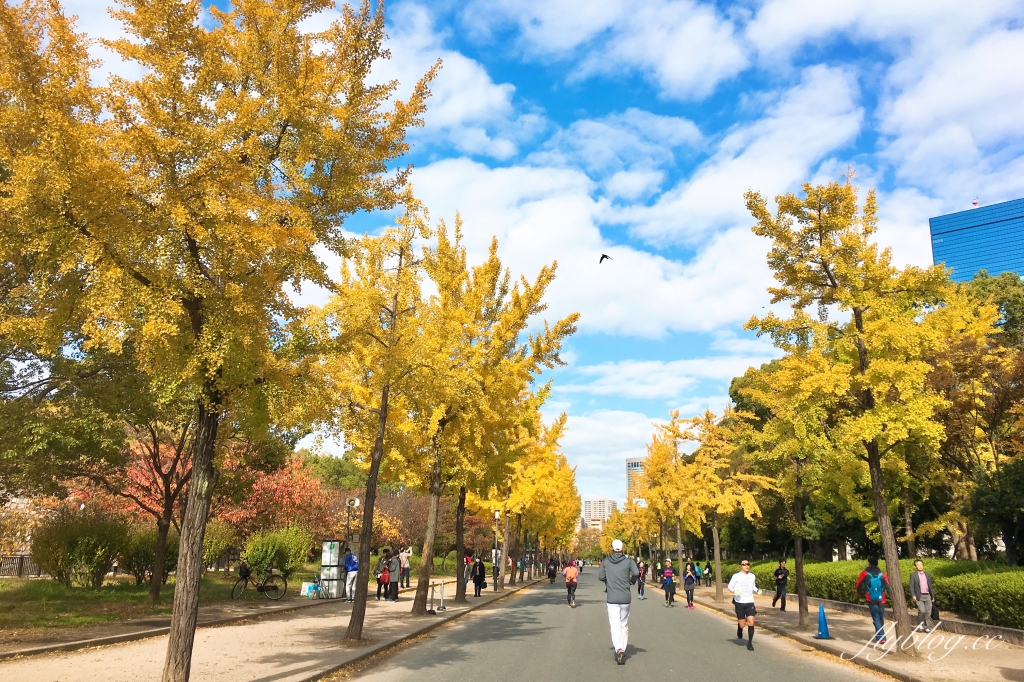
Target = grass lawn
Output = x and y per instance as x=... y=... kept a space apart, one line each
x=42 y=603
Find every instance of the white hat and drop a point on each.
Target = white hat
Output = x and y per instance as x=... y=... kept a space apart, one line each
x=616 y=545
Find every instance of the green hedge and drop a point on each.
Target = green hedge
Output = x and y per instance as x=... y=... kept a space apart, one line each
x=983 y=591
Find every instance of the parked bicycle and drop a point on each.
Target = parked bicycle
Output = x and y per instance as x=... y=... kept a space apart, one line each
x=273 y=586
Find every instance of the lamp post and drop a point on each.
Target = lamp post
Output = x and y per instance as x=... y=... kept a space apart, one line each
x=350 y=503
x=497 y=558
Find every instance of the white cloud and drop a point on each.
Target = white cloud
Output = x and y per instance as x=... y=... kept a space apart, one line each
x=633 y=139
x=684 y=47
x=598 y=443
x=903 y=225
x=658 y=379
x=467 y=109
x=962 y=114
x=542 y=214
x=784 y=26
x=772 y=154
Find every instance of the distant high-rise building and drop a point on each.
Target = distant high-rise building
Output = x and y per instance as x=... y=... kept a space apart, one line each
x=987 y=238
x=597 y=511
x=634 y=470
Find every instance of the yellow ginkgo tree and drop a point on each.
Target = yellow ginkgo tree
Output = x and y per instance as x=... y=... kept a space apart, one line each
x=862 y=329
x=170 y=210
x=712 y=483
x=369 y=346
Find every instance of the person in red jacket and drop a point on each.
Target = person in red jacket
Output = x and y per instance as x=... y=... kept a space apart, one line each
x=874 y=584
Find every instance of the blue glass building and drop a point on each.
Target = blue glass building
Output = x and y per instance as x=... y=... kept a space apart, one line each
x=987 y=238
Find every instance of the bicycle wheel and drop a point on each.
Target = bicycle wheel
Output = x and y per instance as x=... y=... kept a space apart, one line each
x=239 y=588
x=274 y=586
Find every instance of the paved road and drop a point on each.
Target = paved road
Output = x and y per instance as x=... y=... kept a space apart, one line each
x=534 y=635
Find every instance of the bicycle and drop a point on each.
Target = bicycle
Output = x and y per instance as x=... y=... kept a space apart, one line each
x=273 y=585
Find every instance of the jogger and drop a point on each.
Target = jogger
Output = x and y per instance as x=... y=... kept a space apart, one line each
x=668 y=583
x=618 y=572
x=743 y=586
x=781 y=581
x=689 y=583
x=572 y=575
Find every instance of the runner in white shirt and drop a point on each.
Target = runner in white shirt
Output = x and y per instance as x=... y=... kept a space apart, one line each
x=743 y=586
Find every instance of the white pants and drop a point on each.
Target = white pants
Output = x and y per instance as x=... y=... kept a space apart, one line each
x=618 y=620
x=350 y=585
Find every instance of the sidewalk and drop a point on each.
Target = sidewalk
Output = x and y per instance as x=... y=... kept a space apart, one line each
x=300 y=646
x=953 y=658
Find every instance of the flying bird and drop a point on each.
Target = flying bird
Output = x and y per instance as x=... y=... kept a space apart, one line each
x=603 y=256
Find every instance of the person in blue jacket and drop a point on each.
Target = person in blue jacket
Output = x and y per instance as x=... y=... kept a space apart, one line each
x=351 y=573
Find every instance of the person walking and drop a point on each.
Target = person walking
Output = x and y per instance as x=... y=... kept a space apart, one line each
x=743 y=586
x=668 y=583
x=618 y=572
x=394 y=576
x=699 y=572
x=707 y=574
x=641 y=579
x=781 y=581
x=572 y=579
x=874 y=584
x=404 y=576
x=689 y=583
x=351 y=573
x=381 y=573
x=479 y=573
x=922 y=592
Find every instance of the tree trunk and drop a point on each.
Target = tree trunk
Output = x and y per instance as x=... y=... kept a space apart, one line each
x=513 y=550
x=908 y=524
x=419 y=604
x=460 y=548
x=718 y=556
x=679 y=545
x=156 y=581
x=798 y=560
x=889 y=546
x=355 y=621
x=972 y=549
x=661 y=539
x=503 y=557
x=185 y=613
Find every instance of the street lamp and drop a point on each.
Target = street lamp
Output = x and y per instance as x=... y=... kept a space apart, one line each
x=497 y=558
x=350 y=503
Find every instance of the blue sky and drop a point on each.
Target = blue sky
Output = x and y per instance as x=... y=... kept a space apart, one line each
x=572 y=128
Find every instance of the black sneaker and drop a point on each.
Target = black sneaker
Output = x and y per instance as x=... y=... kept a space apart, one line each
x=750 y=646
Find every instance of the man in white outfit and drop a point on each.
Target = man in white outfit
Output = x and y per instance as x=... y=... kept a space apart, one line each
x=618 y=572
x=743 y=586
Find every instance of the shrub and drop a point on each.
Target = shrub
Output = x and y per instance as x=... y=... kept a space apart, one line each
x=284 y=549
x=138 y=555
x=78 y=546
x=987 y=597
x=220 y=535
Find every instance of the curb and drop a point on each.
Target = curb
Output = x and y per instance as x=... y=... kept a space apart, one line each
x=387 y=646
x=821 y=646
x=157 y=632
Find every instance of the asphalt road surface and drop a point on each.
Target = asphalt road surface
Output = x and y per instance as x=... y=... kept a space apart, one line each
x=534 y=635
